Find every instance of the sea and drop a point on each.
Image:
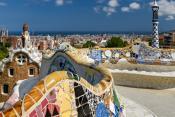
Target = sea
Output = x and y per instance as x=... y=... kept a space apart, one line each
x=65 y=33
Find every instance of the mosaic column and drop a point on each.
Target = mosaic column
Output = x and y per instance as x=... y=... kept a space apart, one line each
x=155 y=21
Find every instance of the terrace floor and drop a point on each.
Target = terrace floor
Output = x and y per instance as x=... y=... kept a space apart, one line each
x=160 y=102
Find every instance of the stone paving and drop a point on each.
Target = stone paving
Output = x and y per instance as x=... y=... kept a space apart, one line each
x=161 y=102
x=135 y=110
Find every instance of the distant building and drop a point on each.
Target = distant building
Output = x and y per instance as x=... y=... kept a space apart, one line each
x=167 y=40
x=173 y=37
x=3 y=35
x=3 y=32
x=43 y=45
x=103 y=43
x=12 y=40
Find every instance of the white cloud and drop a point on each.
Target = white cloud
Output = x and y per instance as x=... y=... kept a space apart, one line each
x=3 y=4
x=109 y=10
x=170 y=17
x=132 y=6
x=59 y=2
x=167 y=8
x=109 y=7
x=125 y=9
x=62 y=2
x=113 y=3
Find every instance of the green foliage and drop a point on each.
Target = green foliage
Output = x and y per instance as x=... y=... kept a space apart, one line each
x=8 y=45
x=3 y=51
x=150 y=41
x=116 y=42
x=161 y=42
x=125 y=43
x=89 y=44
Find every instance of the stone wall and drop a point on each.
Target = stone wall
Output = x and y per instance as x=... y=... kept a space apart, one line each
x=140 y=67
x=143 y=81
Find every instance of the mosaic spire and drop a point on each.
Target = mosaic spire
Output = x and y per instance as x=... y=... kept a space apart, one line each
x=155 y=21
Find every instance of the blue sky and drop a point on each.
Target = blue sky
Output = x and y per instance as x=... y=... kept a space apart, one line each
x=85 y=15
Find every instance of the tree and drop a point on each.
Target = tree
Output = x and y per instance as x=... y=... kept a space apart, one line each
x=161 y=43
x=89 y=44
x=116 y=42
x=3 y=51
x=125 y=43
x=150 y=41
x=8 y=45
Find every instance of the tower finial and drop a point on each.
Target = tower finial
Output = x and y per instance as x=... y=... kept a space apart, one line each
x=155 y=3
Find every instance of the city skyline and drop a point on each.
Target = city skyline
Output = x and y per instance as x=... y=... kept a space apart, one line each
x=91 y=15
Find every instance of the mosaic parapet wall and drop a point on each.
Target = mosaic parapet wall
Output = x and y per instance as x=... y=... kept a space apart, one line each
x=71 y=88
x=151 y=55
x=74 y=63
x=138 y=53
